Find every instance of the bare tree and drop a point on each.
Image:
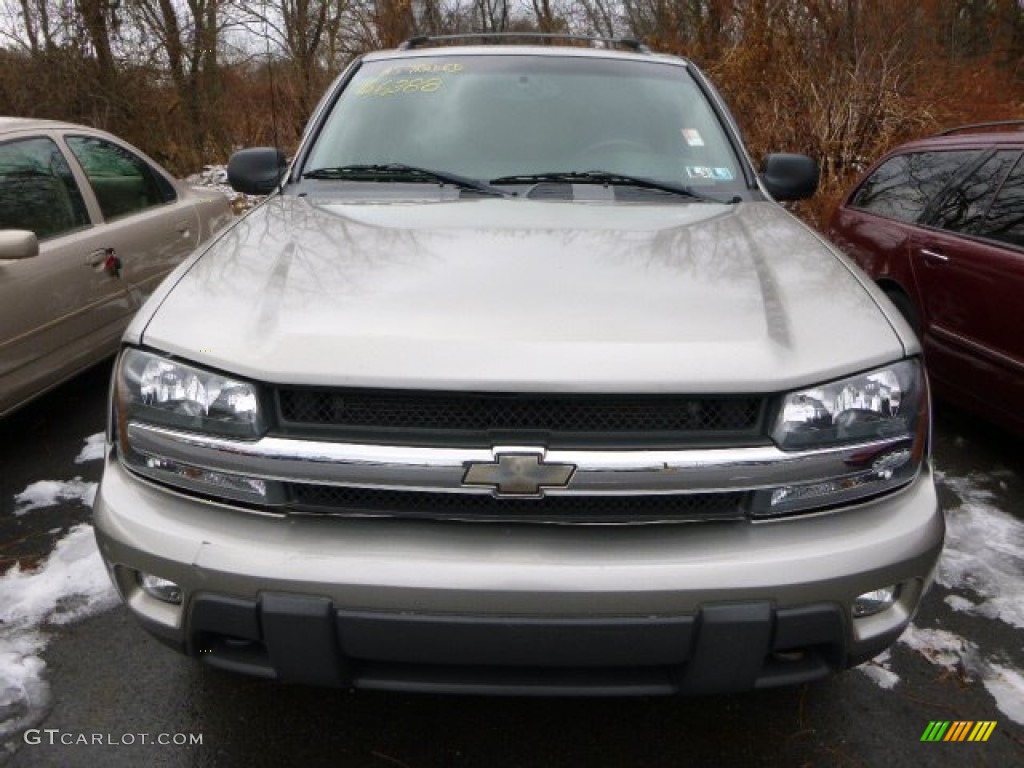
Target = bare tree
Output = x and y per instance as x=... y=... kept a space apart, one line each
x=98 y=17
x=492 y=15
x=599 y=17
x=187 y=36
x=306 y=37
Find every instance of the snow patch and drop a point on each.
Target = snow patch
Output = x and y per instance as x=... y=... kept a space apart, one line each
x=71 y=584
x=959 y=655
x=983 y=556
x=880 y=671
x=943 y=648
x=882 y=676
x=984 y=553
x=1007 y=688
x=47 y=493
x=216 y=177
x=93 y=449
x=960 y=604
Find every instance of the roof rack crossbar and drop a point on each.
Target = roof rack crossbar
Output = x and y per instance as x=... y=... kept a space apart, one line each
x=975 y=126
x=497 y=37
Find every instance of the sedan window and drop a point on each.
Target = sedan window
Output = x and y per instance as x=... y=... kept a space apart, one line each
x=902 y=186
x=123 y=182
x=37 y=190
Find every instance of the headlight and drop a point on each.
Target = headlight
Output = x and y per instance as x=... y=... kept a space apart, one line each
x=876 y=424
x=883 y=404
x=161 y=391
x=156 y=391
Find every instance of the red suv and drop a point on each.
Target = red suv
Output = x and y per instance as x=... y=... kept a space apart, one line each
x=939 y=225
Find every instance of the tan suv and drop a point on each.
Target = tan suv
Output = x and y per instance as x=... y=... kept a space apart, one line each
x=521 y=382
x=88 y=227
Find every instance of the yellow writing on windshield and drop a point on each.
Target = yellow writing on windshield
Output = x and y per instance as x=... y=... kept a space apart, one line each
x=392 y=86
x=424 y=68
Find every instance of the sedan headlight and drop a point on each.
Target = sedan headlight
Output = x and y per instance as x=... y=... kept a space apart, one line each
x=152 y=391
x=876 y=426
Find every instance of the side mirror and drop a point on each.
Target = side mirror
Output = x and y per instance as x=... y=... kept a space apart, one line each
x=257 y=171
x=18 y=244
x=790 y=177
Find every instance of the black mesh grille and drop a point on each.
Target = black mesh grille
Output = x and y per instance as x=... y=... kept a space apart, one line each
x=570 y=509
x=575 y=418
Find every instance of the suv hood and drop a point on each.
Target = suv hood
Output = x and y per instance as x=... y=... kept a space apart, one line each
x=513 y=294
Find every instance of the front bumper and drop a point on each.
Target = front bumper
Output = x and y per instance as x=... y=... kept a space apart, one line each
x=497 y=608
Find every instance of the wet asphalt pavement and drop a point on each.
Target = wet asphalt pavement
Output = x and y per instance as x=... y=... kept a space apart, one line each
x=109 y=678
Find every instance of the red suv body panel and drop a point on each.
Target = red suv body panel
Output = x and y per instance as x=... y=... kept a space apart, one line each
x=964 y=289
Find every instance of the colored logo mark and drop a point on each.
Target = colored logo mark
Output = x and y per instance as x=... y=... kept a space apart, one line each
x=958 y=730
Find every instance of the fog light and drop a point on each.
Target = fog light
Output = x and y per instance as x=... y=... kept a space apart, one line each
x=233 y=486
x=162 y=589
x=875 y=601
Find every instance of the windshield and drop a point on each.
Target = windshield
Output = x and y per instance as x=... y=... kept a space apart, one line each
x=494 y=117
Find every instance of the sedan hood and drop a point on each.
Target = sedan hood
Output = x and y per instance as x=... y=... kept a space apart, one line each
x=513 y=294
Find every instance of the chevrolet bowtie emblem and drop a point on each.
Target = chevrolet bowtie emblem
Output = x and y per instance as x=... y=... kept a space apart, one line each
x=519 y=474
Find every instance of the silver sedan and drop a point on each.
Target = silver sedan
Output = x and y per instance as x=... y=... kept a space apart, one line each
x=89 y=226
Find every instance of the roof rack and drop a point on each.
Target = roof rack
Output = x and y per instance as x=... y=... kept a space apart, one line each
x=975 y=126
x=500 y=37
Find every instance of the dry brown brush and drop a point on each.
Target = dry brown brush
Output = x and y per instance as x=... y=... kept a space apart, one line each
x=190 y=80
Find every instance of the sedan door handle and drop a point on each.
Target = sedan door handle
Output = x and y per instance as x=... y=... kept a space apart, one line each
x=934 y=256
x=105 y=258
x=183 y=227
x=96 y=258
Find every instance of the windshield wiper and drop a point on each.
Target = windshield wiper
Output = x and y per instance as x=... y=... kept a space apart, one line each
x=400 y=172
x=611 y=179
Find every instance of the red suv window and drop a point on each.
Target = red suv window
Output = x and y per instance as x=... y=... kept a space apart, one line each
x=1005 y=219
x=902 y=186
x=964 y=208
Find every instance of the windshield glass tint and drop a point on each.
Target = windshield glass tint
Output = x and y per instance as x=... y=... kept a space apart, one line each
x=486 y=117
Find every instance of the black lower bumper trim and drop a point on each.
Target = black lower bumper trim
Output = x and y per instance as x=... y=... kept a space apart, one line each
x=735 y=638
x=300 y=639
x=725 y=647
x=514 y=642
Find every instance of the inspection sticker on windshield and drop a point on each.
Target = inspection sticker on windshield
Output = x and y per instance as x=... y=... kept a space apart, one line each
x=700 y=172
x=704 y=173
x=692 y=137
